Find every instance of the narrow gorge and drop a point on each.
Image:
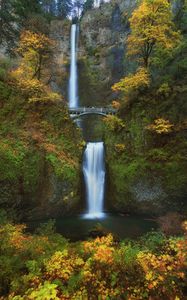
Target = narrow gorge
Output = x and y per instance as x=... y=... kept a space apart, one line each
x=93 y=165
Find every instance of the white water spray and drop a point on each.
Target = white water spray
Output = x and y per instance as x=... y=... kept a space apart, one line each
x=94 y=175
x=73 y=85
x=97 y=3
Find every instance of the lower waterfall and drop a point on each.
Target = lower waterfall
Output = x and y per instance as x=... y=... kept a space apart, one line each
x=94 y=176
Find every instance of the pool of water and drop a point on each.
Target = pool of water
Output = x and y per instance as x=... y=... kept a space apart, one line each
x=79 y=227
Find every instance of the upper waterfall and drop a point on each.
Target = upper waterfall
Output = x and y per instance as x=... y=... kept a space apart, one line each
x=97 y=3
x=73 y=85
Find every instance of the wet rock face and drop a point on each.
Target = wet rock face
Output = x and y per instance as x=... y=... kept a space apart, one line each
x=101 y=50
x=50 y=196
x=117 y=68
x=147 y=191
x=102 y=45
x=103 y=34
x=149 y=195
x=116 y=24
x=60 y=32
x=55 y=198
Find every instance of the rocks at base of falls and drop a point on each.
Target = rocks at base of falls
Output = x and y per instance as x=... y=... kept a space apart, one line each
x=55 y=198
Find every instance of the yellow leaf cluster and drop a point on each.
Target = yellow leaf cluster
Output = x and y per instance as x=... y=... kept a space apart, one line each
x=151 y=25
x=116 y=104
x=159 y=268
x=161 y=126
x=61 y=265
x=91 y=246
x=120 y=148
x=31 y=41
x=114 y=123
x=133 y=81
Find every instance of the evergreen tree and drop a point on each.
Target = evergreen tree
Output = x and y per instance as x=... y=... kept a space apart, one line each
x=8 y=29
x=13 y=14
x=24 y=8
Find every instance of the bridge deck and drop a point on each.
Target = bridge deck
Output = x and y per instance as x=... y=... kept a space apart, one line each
x=92 y=110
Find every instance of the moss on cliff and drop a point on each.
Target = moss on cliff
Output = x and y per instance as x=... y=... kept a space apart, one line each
x=40 y=150
x=153 y=181
x=103 y=33
x=150 y=172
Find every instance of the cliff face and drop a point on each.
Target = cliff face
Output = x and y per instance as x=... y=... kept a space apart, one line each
x=40 y=157
x=102 y=39
x=103 y=32
x=60 y=33
x=101 y=51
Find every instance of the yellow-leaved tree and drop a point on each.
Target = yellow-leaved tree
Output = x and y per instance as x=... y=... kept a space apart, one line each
x=32 y=75
x=35 y=50
x=151 y=26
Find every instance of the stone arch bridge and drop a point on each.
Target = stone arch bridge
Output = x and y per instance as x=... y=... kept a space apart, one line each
x=78 y=112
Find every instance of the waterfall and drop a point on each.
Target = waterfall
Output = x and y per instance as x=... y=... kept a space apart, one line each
x=73 y=86
x=97 y=3
x=94 y=175
x=93 y=160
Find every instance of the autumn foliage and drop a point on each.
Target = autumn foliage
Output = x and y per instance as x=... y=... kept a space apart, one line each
x=32 y=75
x=152 y=30
x=46 y=266
x=152 y=27
x=161 y=126
x=36 y=50
x=114 y=123
x=133 y=82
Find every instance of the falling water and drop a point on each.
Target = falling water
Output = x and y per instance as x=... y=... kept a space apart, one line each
x=93 y=161
x=73 y=89
x=97 y=3
x=94 y=175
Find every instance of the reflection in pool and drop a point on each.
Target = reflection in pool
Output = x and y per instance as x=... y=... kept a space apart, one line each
x=78 y=227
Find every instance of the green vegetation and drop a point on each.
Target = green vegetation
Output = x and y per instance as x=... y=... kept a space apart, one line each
x=40 y=148
x=148 y=171
x=46 y=266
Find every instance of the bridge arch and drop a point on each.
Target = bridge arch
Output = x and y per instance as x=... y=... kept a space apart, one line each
x=79 y=112
x=77 y=116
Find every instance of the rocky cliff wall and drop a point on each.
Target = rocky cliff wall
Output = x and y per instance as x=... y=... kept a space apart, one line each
x=147 y=176
x=60 y=33
x=103 y=32
x=101 y=51
x=102 y=39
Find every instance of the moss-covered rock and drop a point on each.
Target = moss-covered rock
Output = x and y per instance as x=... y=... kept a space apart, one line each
x=40 y=151
x=147 y=172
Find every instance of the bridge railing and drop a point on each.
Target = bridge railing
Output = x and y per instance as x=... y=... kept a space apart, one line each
x=92 y=109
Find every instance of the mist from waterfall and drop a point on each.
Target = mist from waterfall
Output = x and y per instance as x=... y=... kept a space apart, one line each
x=73 y=84
x=94 y=175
